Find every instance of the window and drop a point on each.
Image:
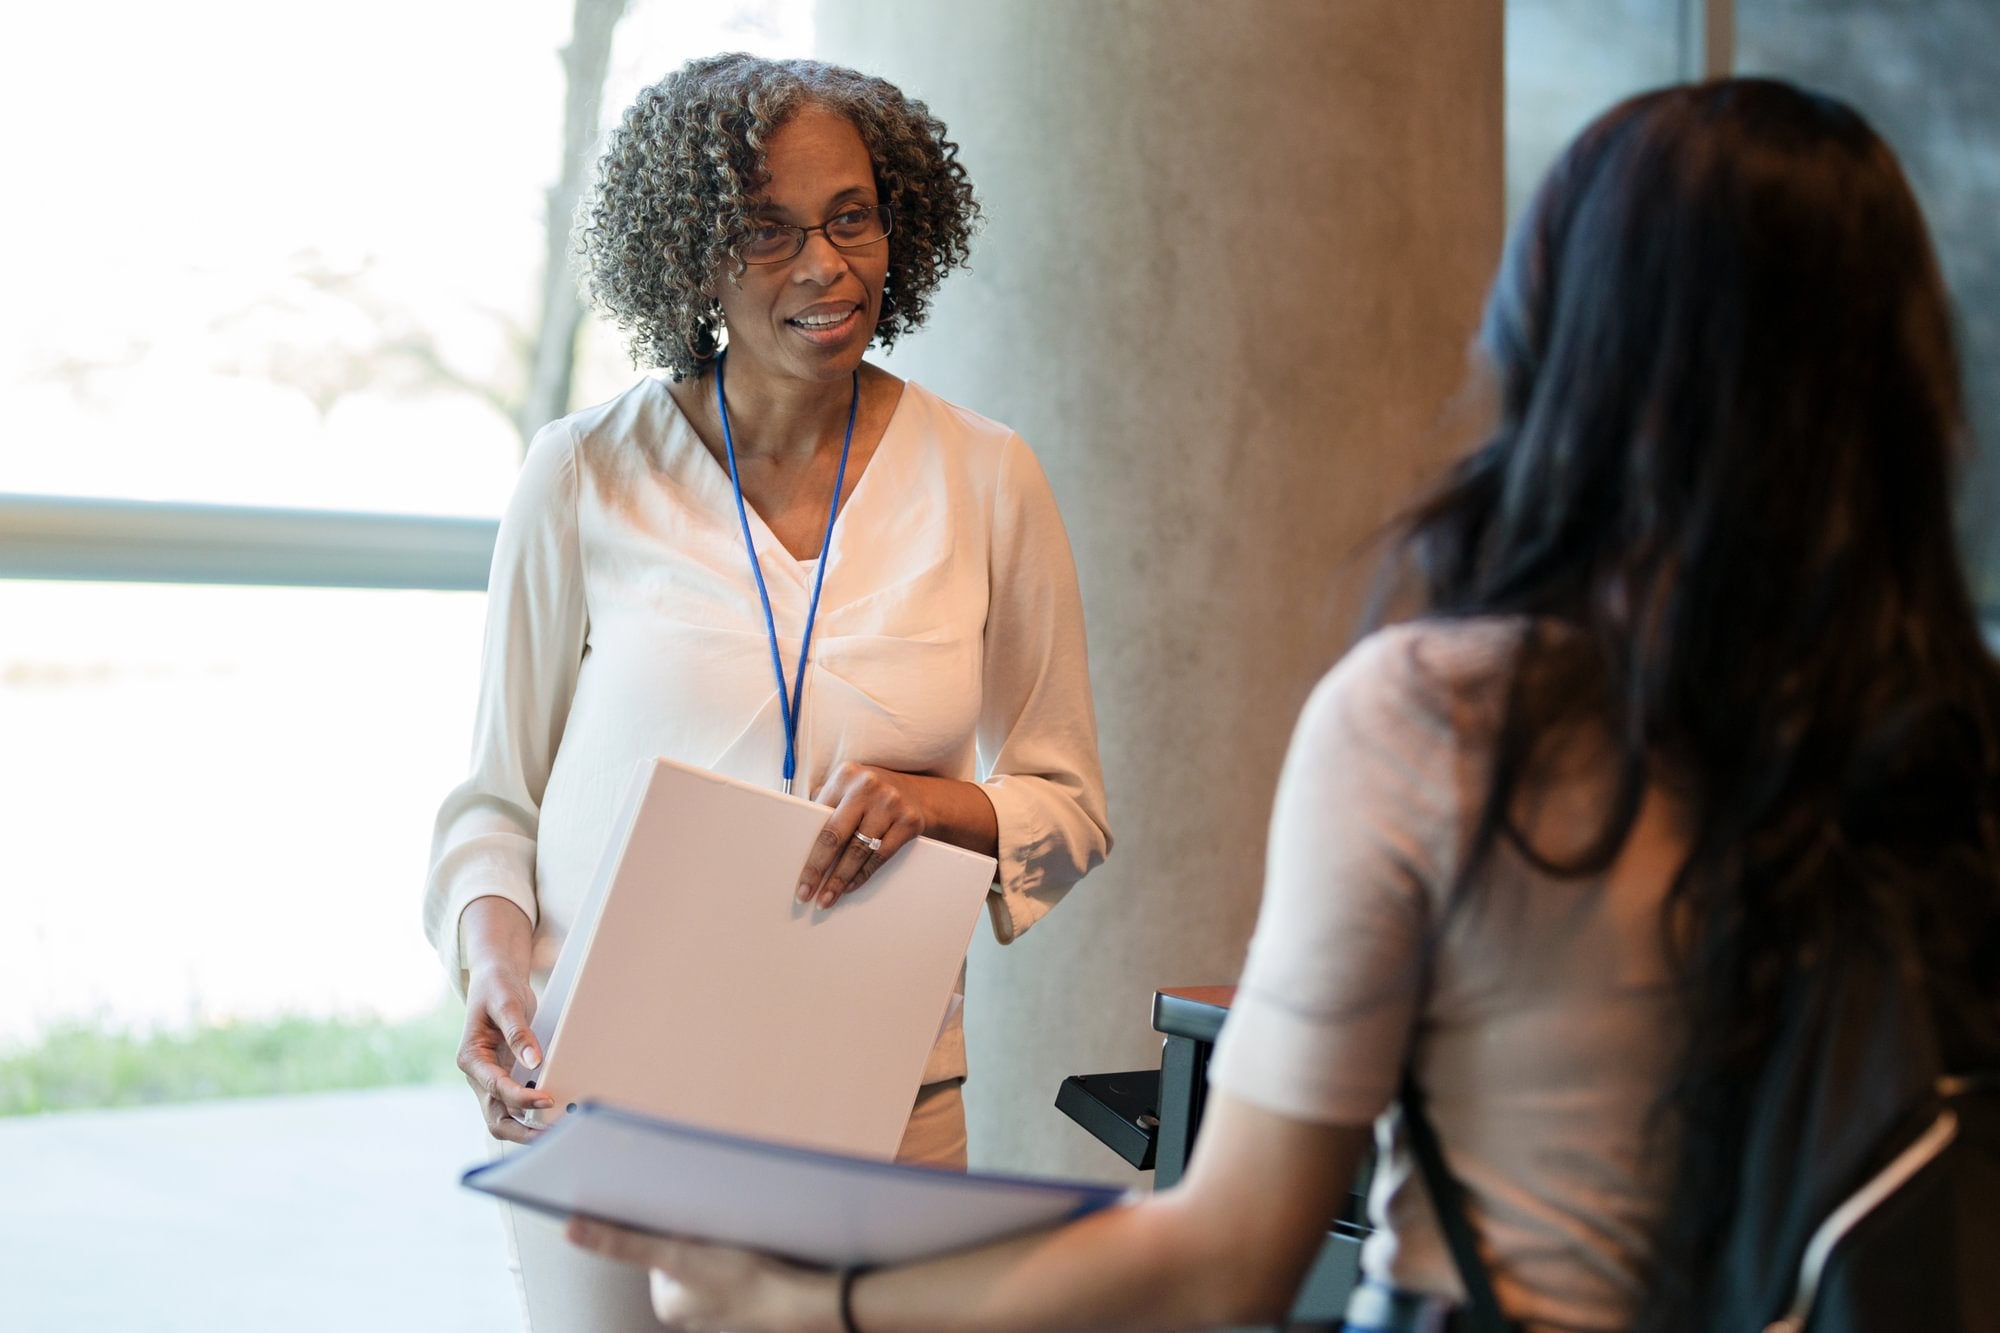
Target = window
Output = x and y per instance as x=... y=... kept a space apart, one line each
x=264 y=258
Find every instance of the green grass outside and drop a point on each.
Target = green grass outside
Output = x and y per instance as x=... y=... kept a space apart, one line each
x=79 y=1065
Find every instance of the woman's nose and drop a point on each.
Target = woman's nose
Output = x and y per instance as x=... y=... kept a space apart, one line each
x=820 y=260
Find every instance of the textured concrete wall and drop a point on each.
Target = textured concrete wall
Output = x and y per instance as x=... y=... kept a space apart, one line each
x=1232 y=259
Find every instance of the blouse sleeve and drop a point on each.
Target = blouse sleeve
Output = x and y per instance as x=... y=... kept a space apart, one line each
x=1037 y=729
x=536 y=620
x=1364 y=834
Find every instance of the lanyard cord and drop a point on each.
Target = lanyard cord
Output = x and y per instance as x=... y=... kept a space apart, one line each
x=789 y=704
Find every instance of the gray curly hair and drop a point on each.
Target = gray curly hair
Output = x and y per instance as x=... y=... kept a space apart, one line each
x=676 y=190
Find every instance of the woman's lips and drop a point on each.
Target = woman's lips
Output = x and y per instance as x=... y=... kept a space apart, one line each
x=826 y=324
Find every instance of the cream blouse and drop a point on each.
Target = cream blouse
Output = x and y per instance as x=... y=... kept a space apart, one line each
x=623 y=624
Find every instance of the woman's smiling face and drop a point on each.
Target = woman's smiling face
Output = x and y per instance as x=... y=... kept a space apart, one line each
x=814 y=315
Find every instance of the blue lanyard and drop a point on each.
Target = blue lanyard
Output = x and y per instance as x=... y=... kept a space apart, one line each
x=789 y=703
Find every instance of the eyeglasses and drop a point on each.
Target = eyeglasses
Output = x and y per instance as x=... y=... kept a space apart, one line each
x=776 y=242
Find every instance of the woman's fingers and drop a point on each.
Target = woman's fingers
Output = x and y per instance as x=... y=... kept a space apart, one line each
x=496 y=1032
x=508 y=1002
x=842 y=878
x=502 y=1124
x=828 y=848
x=711 y=1287
x=501 y=1087
x=627 y=1246
x=520 y=1037
x=872 y=819
x=503 y=1102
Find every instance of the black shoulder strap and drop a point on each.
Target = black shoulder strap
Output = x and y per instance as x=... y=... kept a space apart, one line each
x=1483 y=1314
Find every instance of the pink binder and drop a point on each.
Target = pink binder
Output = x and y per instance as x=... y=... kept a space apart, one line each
x=694 y=986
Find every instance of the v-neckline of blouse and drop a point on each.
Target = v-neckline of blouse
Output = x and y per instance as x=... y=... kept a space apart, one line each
x=716 y=481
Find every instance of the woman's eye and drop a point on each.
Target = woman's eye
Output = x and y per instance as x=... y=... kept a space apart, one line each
x=854 y=227
x=769 y=235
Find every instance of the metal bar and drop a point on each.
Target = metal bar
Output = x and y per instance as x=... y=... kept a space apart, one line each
x=1323 y=1293
x=1718 y=39
x=1183 y=1085
x=1708 y=39
x=131 y=541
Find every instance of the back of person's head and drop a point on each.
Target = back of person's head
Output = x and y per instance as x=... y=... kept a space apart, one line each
x=1729 y=398
x=1729 y=424
x=1729 y=427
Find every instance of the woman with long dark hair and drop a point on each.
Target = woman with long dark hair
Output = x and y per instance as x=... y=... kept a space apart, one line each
x=1696 y=699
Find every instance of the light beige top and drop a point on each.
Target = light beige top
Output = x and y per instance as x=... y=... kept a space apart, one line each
x=623 y=624
x=1540 y=1027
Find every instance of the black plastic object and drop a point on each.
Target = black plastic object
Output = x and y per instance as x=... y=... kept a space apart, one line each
x=1121 y=1111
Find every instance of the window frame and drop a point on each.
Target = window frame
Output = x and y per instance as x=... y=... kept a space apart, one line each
x=47 y=537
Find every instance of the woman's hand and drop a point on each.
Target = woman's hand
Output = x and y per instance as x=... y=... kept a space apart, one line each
x=497 y=1008
x=876 y=812
x=498 y=1005
x=882 y=804
x=709 y=1288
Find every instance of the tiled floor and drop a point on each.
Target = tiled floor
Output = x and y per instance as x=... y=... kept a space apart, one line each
x=339 y=1212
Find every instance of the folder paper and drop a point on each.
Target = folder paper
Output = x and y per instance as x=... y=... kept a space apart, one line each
x=818 y=1208
x=693 y=986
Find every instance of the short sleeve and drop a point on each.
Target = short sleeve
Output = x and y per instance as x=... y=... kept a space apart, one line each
x=1364 y=839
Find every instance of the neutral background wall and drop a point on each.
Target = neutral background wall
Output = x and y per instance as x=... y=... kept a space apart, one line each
x=1232 y=258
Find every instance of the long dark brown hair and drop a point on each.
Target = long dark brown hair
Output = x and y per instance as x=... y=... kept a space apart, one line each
x=1729 y=427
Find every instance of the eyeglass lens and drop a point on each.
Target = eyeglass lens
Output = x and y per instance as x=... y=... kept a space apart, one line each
x=772 y=242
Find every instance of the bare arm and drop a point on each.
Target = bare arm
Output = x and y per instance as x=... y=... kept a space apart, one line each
x=1229 y=1245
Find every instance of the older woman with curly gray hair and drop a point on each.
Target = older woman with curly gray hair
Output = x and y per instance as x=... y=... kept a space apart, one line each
x=770 y=559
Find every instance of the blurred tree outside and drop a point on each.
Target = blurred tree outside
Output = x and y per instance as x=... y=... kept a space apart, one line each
x=331 y=325
x=551 y=365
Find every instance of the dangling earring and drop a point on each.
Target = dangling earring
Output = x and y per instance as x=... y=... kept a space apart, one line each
x=706 y=339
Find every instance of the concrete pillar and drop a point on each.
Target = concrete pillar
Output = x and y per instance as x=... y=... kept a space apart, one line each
x=1233 y=255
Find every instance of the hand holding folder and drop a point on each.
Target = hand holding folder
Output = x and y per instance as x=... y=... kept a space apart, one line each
x=695 y=986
